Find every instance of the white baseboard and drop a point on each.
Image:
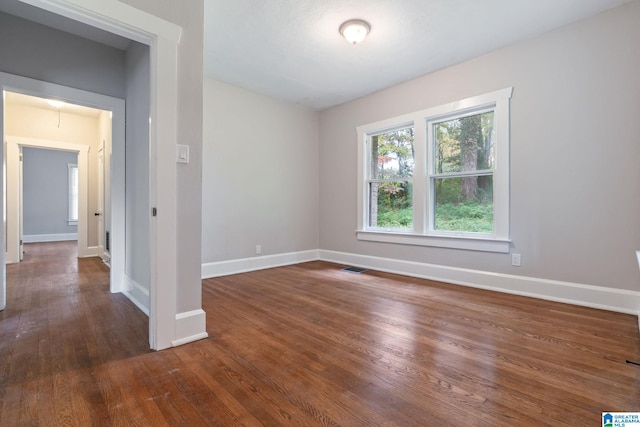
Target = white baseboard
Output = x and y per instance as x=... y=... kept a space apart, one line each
x=619 y=300
x=190 y=326
x=41 y=238
x=137 y=293
x=243 y=265
x=92 y=251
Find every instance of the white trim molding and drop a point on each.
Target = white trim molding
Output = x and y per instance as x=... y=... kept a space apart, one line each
x=138 y=294
x=92 y=251
x=190 y=326
x=618 y=300
x=451 y=242
x=40 y=238
x=117 y=108
x=638 y=258
x=14 y=208
x=243 y=265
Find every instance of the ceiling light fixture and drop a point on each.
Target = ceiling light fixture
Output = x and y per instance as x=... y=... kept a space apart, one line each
x=355 y=30
x=55 y=103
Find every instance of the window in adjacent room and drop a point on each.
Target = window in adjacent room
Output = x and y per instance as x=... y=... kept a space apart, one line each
x=73 y=194
x=438 y=177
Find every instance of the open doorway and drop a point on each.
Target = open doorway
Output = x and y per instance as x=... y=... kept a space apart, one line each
x=65 y=141
x=175 y=314
x=48 y=201
x=108 y=125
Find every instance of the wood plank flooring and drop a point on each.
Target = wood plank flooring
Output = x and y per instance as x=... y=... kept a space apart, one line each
x=306 y=345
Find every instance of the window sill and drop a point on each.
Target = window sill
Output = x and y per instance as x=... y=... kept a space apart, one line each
x=450 y=242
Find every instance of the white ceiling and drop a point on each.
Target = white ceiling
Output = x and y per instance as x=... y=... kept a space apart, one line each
x=292 y=50
x=13 y=98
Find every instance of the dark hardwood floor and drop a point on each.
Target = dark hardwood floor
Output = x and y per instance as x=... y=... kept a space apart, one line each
x=306 y=345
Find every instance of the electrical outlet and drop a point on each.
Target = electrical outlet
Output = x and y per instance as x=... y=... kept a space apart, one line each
x=515 y=260
x=258 y=249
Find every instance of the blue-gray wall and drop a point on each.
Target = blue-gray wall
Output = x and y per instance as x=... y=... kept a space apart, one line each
x=138 y=68
x=39 y=52
x=46 y=191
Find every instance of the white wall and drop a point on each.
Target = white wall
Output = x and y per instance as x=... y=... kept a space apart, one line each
x=260 y=175
x=575 y=148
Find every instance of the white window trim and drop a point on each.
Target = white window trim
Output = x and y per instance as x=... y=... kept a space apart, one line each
x=70 y=219
x=499 y=240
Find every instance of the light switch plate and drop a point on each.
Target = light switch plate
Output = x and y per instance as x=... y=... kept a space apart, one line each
x=182 y=153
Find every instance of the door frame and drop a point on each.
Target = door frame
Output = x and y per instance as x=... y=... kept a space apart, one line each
x=102 y=205
x=166 y=327
x=27 y=86
x=13 y=185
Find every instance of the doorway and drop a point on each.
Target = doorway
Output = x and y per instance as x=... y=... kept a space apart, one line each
x=115 y=109
x=84 y=131
x=48 y=200
x=170 y=324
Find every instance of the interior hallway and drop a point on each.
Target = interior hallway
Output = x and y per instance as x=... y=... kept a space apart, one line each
x=61 y=337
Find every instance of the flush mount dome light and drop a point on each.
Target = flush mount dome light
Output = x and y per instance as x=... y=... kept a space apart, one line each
x=55 y=103
x=355 y=30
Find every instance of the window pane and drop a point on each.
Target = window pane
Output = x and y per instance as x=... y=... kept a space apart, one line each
x=73 y=193
x=464 y=204
x=392 y=155
x=464 y=144
x=391 y=205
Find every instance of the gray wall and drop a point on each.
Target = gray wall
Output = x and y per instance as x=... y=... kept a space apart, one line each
x=575 y=147
x=137 y=164
x=260 y=175
x=189 y=16
x=45 y=191
x=32 y=50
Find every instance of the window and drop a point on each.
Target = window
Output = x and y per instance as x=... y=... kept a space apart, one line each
x=438 y=177
x=461 y=177
x=73 y=194
x=390 y=182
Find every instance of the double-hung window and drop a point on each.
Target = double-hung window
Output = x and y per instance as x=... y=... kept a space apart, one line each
x=438 y=177
x=390 y=179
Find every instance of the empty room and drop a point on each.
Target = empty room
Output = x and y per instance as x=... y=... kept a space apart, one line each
x=402 y=213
